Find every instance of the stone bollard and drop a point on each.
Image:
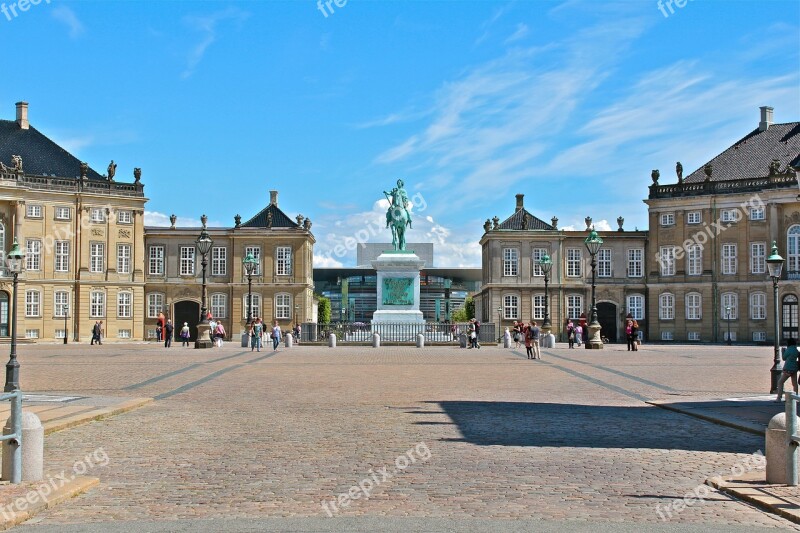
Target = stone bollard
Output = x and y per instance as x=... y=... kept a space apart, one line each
x=32 y=448
x=420 y=341
x=462 y=340
x=506 y=341
x=776 y=448
x=332 y=340
x=376 y=340
x=288 y=340
x=245 y=340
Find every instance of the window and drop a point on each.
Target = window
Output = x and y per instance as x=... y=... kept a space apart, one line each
x=33 y=300
x=97 y=307
x=694 y=307
x=666 y=336
x=219 y=261
x=758 y=257
x=510 y=307
x=124 y=334
x=667 y=260
x=124 y=305
x=62 y=256
x=156 y=260
x=283 y=306
x=33 y=211
x=98 y=214
x=60 y=334
x=732 y=336
x=33 y=257
x=256 y=252
x=63 y=213
x=604 y=263
x=123 y=259
x=573 y=262
x=537 y=255
x=729 y=301
x=219 y=305
x=284 y=261
x=574 y=306
x=666 y=306
x=758 y=306
x=793 y=249
x=635 y=306
x=31 y=333
x=667 y=219
x=693 y=217
x=538 y=307
x=730 y=215
x=155 y=304
x=693 y=336
x=759 y=336
x=97 y=256
x=60 y=304
x=256 y=306
x=635 y=263
x=757 y=213
x=729 y=258
x=124 y=217
x=187 y=260
x=510 y=261
x=694 y=260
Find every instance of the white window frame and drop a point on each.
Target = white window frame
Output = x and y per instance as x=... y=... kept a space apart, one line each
x=694 y=217
x=634 y=303
x=793 y=249
x=155 y=304
x=219 y=261
x=219 y=305
x=33 y=255
x=31 y=333
x=574 y=258
x=283 y=306
x=666 y=306
x=729 y=261
x=758 y=258
x=758 y=213
x=33 y=211
x=667 y=219
x=538 y=305
x=667 y=336
x=98 y=214
x=510 y=262
x=693 y=336
x=667 y=262
x=694 y=306
x=604 y=269
x=155 y=260
x=124 y=334
x=33 y=303
x=574 y=303
x=59 y=213
x=60 y=299
x=187 y=260
x=124 y=305
x=283 y=261
x=61 y=256
x=256 y=305
x=694 y=260
x=636 y=262
x=256 y=251
x=97 y=256
x=759 y=336
x=124 y=217
x=758 y=306
x=732 y=335
x=730 y=216
x=97 y=304
x=123 y=259
x=510 y=307
x=536 y=256
x=729 y=299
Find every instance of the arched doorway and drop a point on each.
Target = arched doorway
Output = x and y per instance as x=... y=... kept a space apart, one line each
x=789 y=329
x=189 y=312
x=607 y=316
x=4 y=329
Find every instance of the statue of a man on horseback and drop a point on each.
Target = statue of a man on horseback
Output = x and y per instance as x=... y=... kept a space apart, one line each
x=398 y=217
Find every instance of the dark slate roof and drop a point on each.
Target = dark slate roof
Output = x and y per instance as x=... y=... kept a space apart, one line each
x=515 y=221
x=40 y=155
x=279 y=219
x=751 y=156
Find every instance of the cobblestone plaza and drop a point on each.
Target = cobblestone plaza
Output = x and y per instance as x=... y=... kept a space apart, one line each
x=234 y=434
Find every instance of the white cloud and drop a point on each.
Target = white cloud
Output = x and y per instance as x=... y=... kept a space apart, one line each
x=521 y=31
x=599 y=225
x=207 y=25
x=321 y=261
x=68 y=17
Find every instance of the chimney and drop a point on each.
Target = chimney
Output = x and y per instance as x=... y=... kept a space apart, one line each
x=22 y=115
x=519 y=201
x=766 y=118
x=273 y=198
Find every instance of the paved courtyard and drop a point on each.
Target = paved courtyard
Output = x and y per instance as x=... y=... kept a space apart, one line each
x=486 y=434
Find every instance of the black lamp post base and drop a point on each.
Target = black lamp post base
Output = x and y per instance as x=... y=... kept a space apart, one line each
x=774 y=374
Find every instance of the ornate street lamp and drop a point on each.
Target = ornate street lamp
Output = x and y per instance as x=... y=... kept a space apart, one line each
x=14 y=262
x=499 y=320
x=593 y=243
x=728 y=316
x=775 y=266
x=250 y=263
x=203 y=243
x=65 y=310
x=547 y=265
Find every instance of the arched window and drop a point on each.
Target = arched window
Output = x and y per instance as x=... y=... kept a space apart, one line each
x=789 y=317
x=666 y=306
x=729 y=305
x=793 y=251
x=635 y=305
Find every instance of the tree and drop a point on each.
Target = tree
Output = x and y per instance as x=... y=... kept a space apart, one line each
x=323 y=310
x=469 y=307
x=459 y=316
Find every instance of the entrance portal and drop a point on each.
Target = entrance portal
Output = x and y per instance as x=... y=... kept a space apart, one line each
x=607 y=316
x=189 y=312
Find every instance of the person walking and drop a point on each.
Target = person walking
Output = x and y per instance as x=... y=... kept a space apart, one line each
x=256 y=329
x=517 y=333
x=635 y=335
x=789 y=367
x=168 y=329
x=297 y=332
x=185 y=334
x=528 y=344
x=219 y=334
x=276 y=336
x=95 y=333
x=629 y=332
x=571 y=333
x=212 y=329
x=533 y=333
x=578 y=335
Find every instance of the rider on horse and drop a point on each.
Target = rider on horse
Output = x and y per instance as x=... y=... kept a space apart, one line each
x=397 y=198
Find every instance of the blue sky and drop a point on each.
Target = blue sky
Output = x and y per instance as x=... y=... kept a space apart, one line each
x=572 y=103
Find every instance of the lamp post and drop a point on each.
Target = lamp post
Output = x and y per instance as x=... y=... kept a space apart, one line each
x=296 y=312
x=203 y=244
x=593 y=243
x=249 y=263
x=728 y=317
x=65 y=310
x=547 y=265
x=14 y=261
x=342 y=316
x=775 y=266
x=499 y=320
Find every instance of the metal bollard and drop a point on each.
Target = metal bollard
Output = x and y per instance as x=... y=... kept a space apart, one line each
x=791 y=436
x=12 y=448
x=332 y=340
x=462 y=340
x=376 y=340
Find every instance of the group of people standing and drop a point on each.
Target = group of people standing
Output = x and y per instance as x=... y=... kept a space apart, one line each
x=574 y=334
x=257 y=332
x=529 y=335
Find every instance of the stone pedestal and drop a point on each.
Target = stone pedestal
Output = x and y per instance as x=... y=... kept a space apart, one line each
x=776 y=447
x=398 y=317
x=32 y=448
x=593 y=341
x=203 y=336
